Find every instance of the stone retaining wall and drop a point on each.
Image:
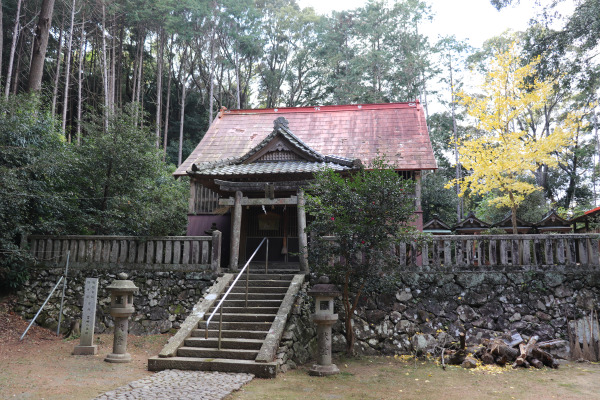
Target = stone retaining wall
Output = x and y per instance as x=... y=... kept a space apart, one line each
x=165 y=297
x=428 y=309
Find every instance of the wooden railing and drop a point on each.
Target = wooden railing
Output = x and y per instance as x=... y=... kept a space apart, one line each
x=169 y=252
x=525 y=251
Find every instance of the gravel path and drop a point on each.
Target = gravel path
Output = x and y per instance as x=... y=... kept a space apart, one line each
x=181 y=385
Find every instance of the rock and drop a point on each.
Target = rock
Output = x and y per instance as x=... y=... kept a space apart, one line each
x=466 y=313
x=469 y=362
x=423 y=343
x=375 y=316
x=404 y=295
x=470 y=280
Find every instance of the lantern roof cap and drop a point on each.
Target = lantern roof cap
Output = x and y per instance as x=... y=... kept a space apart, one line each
x=122 y=284
x=324 y=288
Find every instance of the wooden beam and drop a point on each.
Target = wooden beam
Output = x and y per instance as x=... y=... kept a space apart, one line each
x=236 y=231
x=227 y=186
x=245 y=201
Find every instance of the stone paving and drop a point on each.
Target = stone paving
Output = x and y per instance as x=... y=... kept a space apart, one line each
x=181 y=385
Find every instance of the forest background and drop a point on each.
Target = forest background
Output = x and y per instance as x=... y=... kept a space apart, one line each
x=100 y=100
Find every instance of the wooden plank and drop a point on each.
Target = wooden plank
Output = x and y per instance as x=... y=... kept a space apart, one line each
x=73 y=249
x=205 y=252
x=425 y=254
x=292 y=200
x=195 y=252
x=447 y=253
x=493 y=252
x=81 y=251
x=436 y=253
x=105 y=251
x=402 y=254
x=227 y=186
x=150 y=252
x=469 y=253
x=97 y=250
x=503 y=252
x=141 y=252
x=548 y=251
x=560 y=251
x=594 y=252
x=176 y=252
x=515 y=253
x=459 y=252
x=526 y=252
x=132 y=251
x=185 y=257
x=168 y=251
x=583 y=253
x=159 y=251
x=123 y=247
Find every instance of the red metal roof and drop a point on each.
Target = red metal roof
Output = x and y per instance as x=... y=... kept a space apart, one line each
x=395 y=130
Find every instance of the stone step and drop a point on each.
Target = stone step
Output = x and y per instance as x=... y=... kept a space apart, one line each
x=273 y=277
x=255 y=296
x=200 y=352
x=226 y=343
x=212 y=333
x=245 y=310
x=251 y=303
x=277 y=271
x=237 y=326
x=260 y=370
x=241 y=288
x=262 y=282
x=239 y=317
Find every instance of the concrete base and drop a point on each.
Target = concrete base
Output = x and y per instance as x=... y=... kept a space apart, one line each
x=85 y=350
x=118 y=358
x=323 y=370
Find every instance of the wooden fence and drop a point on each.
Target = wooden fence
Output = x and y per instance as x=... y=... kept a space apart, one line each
x=528 y=251
x=168 y=253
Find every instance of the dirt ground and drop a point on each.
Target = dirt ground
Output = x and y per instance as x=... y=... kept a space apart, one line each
x=42 y=367
x=389 y=378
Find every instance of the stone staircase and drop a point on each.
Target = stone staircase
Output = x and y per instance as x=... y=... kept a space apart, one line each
x=250 y=335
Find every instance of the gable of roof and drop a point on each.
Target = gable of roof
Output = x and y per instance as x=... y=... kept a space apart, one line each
x=471 y=222
x=280 y=152
x=436 y=224
x=552 y=220
x=507 y=222
x=396 y=131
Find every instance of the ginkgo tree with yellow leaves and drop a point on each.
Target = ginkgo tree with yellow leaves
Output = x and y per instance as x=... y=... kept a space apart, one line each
x=504 y=154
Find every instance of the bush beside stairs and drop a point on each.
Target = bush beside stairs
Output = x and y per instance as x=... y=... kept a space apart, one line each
x=250 y=335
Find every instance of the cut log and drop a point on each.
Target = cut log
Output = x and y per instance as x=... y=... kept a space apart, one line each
x=488 y=358
x=545 y=357
x=499 y=348
x=525 y=351
x=535 y=362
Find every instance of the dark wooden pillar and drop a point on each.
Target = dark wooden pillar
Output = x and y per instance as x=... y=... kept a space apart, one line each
x=302 y=241
x=236 y=231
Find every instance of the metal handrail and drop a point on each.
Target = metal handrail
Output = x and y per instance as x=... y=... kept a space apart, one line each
x=218 y=307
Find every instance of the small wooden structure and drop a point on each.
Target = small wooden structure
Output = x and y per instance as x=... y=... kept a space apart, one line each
x=506 y=224
x=471 y=225
x=436 y=227
x=552 y=222
x=249 y=172
x=590 y=220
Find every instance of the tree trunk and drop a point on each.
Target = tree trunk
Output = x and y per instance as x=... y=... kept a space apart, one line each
x=459 y=211
x=105 y=70
x=68 y=73
x=39 y=46
x=58 y=65
x=159 y=67
x=181 y=120
x=166 y=131
x=1 y=41
x=82 y=50
x=13 y=48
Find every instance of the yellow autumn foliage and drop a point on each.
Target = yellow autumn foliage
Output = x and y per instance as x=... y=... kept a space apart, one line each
x=504 y=154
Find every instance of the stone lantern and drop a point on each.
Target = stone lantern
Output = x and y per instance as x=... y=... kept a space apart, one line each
x=324 y=294
x=121 y=308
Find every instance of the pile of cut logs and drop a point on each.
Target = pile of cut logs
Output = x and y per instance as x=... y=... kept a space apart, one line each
x=502 y=352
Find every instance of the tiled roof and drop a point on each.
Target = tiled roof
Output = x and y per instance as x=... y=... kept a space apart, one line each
x=396 y=131
x=286 y=167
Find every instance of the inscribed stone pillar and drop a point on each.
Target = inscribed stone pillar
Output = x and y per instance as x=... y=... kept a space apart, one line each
x=88 y=319
x=236 y=231
x=302 y=240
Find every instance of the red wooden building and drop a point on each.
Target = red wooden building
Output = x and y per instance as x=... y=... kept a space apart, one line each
x=248 y=170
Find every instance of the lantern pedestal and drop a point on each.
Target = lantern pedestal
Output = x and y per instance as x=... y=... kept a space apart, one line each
x=121 y=308
x=324 y=294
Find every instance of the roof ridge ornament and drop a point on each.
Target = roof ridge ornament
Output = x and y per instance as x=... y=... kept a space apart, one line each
x=281 y=122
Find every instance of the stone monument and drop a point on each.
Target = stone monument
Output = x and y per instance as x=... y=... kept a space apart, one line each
x=324 y=294
x=88 y=319
x=121 y=308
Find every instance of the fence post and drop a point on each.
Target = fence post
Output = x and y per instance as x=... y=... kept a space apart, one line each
x=216 y=251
